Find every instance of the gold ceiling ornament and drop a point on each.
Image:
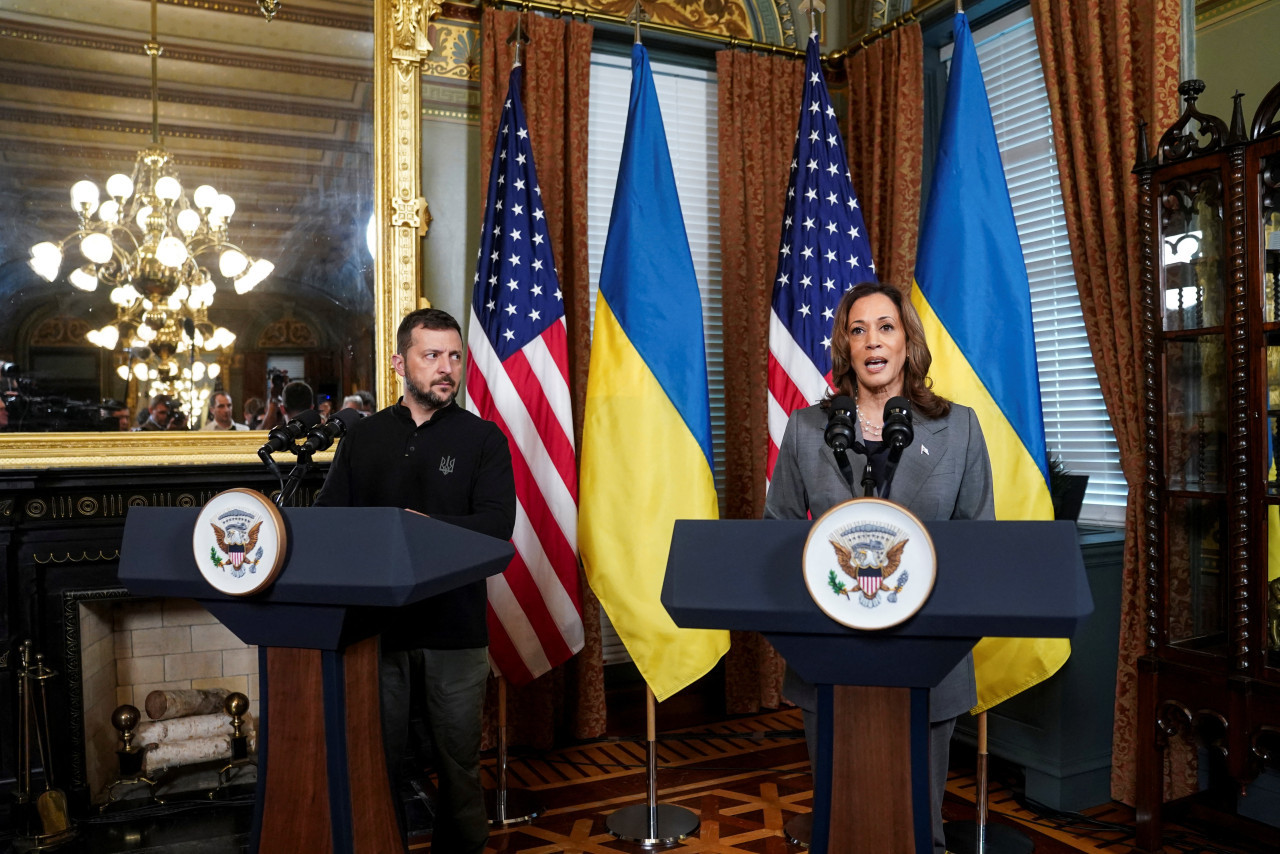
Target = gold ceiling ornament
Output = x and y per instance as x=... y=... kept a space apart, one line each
x=412 y=20
x=144 y=243
x=269 y=8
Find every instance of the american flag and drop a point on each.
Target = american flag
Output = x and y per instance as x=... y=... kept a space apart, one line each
x=823 y=252
x=518 y=377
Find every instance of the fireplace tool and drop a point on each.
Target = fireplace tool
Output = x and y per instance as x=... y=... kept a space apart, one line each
x=236 y=705
x=46 y=821
x=129 y=758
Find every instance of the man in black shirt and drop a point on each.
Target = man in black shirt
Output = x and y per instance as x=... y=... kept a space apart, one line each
x=425 y=453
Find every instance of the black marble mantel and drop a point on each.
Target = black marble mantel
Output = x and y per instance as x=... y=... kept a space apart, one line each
x=60 y=534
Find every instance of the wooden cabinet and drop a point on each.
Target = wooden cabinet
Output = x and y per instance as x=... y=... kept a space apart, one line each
x=1209 y=217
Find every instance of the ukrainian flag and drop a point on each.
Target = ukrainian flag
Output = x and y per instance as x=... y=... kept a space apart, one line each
x=972 y=294
x=646 y=446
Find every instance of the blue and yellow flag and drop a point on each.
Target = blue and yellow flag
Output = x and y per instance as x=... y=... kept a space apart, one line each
x=972 y=294
x=646 y=445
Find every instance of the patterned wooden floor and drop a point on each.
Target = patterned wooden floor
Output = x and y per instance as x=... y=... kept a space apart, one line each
x=744 y=779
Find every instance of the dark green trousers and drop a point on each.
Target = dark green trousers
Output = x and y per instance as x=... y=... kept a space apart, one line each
x=454 y=683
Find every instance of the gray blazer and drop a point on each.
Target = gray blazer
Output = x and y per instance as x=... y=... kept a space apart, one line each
x=944 y=474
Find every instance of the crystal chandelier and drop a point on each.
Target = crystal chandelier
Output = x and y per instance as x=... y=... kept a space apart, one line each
x=146 y=242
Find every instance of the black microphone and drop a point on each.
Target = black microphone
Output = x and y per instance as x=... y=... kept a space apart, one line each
x=839 y=432
x=321 y=437
x=898 y=432
x=283 y=437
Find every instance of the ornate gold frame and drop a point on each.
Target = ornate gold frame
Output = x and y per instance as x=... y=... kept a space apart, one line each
x=401 y=40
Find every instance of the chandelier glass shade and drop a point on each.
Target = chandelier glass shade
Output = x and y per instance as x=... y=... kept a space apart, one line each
x=153 y=248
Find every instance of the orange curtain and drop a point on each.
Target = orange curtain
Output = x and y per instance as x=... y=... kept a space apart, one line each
x=1107 y=66
x=557 y=61
x=885 y=140
x=759 y=109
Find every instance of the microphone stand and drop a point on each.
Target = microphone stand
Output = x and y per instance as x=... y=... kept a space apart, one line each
x=868 y=479
x=294 y=481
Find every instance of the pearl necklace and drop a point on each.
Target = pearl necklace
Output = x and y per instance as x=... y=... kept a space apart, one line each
x=871 y=430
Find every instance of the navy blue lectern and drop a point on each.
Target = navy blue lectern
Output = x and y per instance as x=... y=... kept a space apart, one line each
x=995 y=579
x=322 y=780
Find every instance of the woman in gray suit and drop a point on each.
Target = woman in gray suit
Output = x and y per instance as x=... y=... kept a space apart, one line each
x=878 y=352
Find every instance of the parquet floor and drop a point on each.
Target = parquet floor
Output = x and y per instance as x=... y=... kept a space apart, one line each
x=744 y=779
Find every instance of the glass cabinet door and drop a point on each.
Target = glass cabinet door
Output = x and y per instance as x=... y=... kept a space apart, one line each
x=1195 y=416
x=1269 y=221
x=1196 y=592
x=1272 y=643
x=1268 y=464
x=1191 y=247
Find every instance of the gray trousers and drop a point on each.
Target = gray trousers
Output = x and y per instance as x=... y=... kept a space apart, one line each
x=455 y=681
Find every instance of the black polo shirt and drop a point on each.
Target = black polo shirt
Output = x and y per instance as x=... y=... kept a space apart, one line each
x=455 y=467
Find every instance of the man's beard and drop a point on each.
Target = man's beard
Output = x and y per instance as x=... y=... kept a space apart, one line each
x=428 y=397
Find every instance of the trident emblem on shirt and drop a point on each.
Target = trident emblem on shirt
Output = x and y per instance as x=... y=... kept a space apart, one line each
x=446 y=465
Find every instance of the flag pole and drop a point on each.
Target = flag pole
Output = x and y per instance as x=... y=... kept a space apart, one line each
x=506 y=807
x=964 y=837
x=652 y=824
x=982 y=770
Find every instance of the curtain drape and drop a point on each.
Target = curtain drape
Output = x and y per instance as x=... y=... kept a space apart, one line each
x=885 y=140
x=569 y=701
x=759 y=108
x=1107 y=66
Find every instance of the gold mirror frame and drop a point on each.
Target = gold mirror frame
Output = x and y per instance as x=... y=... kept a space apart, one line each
x=401 y=40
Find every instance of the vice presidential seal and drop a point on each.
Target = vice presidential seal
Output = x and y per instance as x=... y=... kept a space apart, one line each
x=869 y=563
x=239 y=542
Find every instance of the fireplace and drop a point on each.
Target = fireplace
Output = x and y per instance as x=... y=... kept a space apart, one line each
x=60 y=534
x=131 y=647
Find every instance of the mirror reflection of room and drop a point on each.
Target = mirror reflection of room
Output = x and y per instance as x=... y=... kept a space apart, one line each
x=186 y=193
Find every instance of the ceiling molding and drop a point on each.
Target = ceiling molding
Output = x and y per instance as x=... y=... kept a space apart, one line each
x=206 y=55
x=95 y=85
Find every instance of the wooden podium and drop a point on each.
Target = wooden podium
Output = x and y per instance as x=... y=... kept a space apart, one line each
x=322 y=778
x=871 y=780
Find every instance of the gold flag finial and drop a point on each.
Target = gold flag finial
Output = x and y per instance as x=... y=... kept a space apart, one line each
x=520 y=37
x=638 y=14
x=811 y=8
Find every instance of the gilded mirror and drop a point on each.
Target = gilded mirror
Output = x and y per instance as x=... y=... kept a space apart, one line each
x=268 y=128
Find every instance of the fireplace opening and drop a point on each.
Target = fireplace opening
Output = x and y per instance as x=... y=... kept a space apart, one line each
x=130 y=648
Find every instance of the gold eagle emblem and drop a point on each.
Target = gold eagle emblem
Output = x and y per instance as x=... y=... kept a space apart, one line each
x=851 y=560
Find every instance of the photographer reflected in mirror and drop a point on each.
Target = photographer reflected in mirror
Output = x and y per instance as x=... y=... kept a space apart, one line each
x=295 y=398
x=29 y=408
x=277 y=379
x=8 y=391
x=115 y=416
x=163 y=414
x=254 y=411
x=220 y=409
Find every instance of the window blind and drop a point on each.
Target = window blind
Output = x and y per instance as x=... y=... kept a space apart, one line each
x=1077 y=428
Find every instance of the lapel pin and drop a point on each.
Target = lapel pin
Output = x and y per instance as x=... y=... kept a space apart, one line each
x=924 y=450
